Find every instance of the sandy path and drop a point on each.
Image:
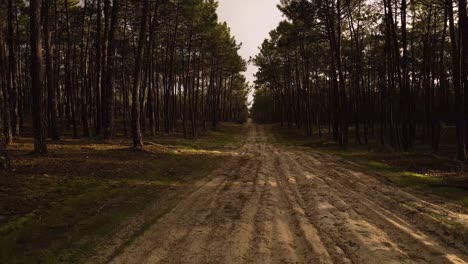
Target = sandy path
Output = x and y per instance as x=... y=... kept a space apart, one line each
x=275 y=205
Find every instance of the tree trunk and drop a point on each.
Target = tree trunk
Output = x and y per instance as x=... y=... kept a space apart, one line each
x=98 y=70
x=456 y=81
x=37 y=85
x=463 y=25
x=136 y=130
x=50 y=76
x=12 y=72
x=85 y=84
x=108 y=96
x=6 y=132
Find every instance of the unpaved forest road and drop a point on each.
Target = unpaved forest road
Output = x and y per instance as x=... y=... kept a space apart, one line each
x=275 y=205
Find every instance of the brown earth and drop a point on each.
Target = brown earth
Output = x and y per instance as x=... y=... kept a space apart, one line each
x=272 y=204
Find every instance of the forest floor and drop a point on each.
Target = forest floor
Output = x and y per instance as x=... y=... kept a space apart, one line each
x=422 y=170
x=267 y=201
x=64 y=208
x=273 y=203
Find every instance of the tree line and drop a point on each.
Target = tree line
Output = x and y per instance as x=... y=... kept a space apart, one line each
x=393 y=69
x=95 y=68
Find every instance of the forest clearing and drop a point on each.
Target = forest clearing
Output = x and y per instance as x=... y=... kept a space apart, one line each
x=233 y=131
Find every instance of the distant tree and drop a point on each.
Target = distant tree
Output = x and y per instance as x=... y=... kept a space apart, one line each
x=50 y=75
x=136 y=130
x=380 y=67
x=181 y=72
x=6 y=118
x=12 y=71
x=37 y=72
x=4 y=159
x=463 y=21
x=108 y=98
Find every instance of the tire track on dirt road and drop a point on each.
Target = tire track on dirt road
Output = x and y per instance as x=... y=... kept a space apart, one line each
x=270 y=204
x=369 y=203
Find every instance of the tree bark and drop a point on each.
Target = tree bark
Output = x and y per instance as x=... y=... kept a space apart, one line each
x=108 y=96
x=12 y=72
x=50 y=77
x=463 y=25
x=455 y=51
x=37 y=72
x=136 y=130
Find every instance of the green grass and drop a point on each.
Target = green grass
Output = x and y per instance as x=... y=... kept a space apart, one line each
x=59 y=210
x=228 y=136
x=424 y=183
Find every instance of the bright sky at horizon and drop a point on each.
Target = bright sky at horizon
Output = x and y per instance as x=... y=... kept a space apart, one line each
x=251 y=22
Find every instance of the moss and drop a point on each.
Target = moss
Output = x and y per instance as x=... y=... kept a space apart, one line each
x=379 y=165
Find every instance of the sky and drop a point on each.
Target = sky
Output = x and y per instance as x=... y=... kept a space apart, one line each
x=251 y=22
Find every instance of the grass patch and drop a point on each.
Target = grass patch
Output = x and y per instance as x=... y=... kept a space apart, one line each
x=60 y=208
x=228 y=136
x=431 y=182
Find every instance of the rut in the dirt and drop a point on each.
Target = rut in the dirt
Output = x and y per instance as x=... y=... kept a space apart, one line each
x=275 y=205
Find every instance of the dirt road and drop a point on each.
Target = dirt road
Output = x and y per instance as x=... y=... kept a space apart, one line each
x=278 y=205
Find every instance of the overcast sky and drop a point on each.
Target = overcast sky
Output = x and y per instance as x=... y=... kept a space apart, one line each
x=250 y=22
